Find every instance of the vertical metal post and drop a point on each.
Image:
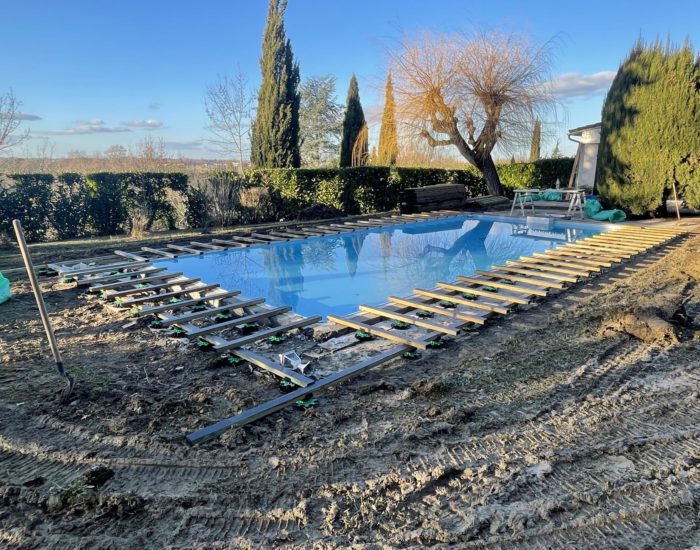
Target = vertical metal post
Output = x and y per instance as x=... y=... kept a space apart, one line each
x=42 y=307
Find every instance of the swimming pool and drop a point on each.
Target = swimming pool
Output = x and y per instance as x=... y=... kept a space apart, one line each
x=337 y=273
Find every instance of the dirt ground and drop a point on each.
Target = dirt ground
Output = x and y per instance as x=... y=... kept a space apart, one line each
x=575 y=423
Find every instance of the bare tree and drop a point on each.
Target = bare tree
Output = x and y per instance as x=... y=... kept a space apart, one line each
x=10 y=120
x=473 y=93
x=229 y=105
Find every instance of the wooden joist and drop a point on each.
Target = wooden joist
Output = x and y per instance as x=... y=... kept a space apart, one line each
x=178 y=283
x=531 y=280
x=213 y=297
x=596 y=251
x=535 y=273
x=250 y=240
x=623 y=244
x=500 y=296
x=130 y=256
x=578 y=268
x=580 y=257
x=159 y=252
x=265 y=409
x=229 y=244
x=185 y=249
x=267 y=237
x=497 y=284
x=386 y=334
x=194 y=332
x=381 y=312
x=261 y=335
x=115 y=276
x=474 y=304
x=543 y=265
x=133 y=281
x=427 y=306
x=606 y=248
x=290 y=234
x=208 y=246
x=93 y=270
x=167 y=319
x=275 y=368
x=165 y=295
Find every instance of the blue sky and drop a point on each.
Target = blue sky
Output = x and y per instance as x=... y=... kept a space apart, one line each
x=95 y=73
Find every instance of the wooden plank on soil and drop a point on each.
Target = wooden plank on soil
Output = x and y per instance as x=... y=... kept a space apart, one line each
x=382 y=333
x=167 y=284
x=579 y=257
x=473 y=304
x=451 y=313
x=535 y=273
x=185 y=249
x=168 y=320
x=159 y=252
x=506 y=286
x=243 y=340
x=130 y=256
x=115 y=276
x=134 y=281
x=97 y=269
x=230 y=244
x=542 y=265
x=501 y=297
x=531 y=280
x=579 y=268
x=166 y=295
x=451 y=330
x=208 y=246
x=216 y=296
x=237 y=321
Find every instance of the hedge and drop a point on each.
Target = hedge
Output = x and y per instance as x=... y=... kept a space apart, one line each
x=74 y=205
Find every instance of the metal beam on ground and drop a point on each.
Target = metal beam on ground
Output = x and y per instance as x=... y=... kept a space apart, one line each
x=275 y=368
x=265 y=409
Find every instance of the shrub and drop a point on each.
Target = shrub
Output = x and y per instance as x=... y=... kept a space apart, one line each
x=106 y=202
x=146 y=197
x=256 y=205
x=69 y=215
x=197 y=208
x=27 y=198
x=541 y=174
x=649 y=136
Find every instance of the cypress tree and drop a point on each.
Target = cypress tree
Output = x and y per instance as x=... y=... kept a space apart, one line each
x=353 y=124
x=649 y=136
x=274 y=141
x=535 y=145
x=388 y=141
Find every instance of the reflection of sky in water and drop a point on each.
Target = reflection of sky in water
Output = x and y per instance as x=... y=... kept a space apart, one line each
x=337 y=273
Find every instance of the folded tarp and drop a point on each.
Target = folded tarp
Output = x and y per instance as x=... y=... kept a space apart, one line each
x=610 y=216
x=5 y=291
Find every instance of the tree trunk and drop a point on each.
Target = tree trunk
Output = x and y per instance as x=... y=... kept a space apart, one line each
x=493 y=182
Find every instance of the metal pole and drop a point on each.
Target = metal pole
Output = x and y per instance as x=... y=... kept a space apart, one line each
x=42 y=307
x=675 y=201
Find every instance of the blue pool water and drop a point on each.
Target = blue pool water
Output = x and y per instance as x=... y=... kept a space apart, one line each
x=337 y=273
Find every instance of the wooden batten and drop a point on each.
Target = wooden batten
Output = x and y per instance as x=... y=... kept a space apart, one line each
x=94 y=270
x=134 y=281
x=117 y=276
x=580 y=257
x=451 y=330
x=179 y=283
x=185 y=249
x=564 y=262
x=261 y=335
x=159 y=252
x=532 y=280
x=215 y=296
x=473 y=304
x=268 y=237
x=208 y=246
x=381 y=333
x=450 y=313
x=535 y=273
x=167 y=319
x=218 y=327
x=166 y=295
x=501 y=297
x=544 y=266
x=513 y=288
x=130 y=256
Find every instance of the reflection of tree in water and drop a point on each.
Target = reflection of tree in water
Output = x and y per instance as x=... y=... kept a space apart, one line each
x=385 y=248
x=320 y=253
x=472 y=241
x=284 y=266
x=353 y=247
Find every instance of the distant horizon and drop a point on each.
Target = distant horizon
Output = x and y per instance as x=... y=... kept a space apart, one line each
x=131 y=70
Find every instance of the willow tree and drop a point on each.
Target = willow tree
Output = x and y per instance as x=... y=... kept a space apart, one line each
x=388 y=150
x=275 y=130
x=650 y=140
x=353 y=145
x=473 y=93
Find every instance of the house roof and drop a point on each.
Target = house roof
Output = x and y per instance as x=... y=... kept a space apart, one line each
x=581 y=129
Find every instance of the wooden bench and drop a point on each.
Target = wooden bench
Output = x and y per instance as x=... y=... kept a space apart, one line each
x=415 y=200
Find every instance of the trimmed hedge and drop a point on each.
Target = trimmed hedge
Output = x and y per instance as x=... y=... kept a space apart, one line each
x=540 y=174
x=358 y=190
x=72 y=205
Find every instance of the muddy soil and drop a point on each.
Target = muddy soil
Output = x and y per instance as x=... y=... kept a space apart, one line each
x=575 y=423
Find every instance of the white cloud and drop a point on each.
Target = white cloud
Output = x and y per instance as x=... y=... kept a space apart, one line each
x=84 y=127
x=197 y=145
x=570 y=85
x=148 y=124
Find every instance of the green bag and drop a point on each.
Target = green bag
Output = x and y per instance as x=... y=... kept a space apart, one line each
x=610 y=216
x=591 y=208
x=5 y=291
x=551 y=196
